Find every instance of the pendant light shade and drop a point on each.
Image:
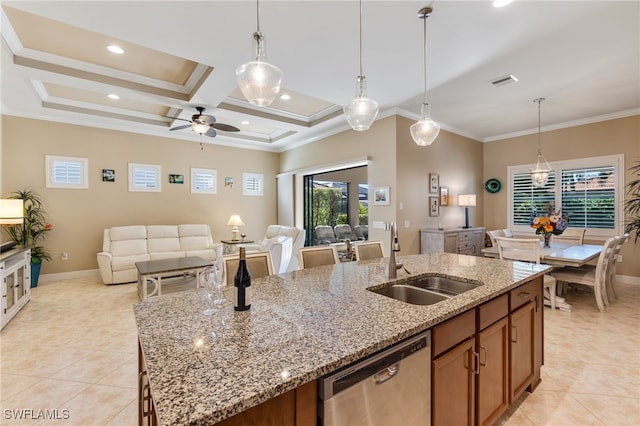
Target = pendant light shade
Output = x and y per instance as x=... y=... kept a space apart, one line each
x=361 y=112
x=425 y=131
x=259 y=81
x=540 y=175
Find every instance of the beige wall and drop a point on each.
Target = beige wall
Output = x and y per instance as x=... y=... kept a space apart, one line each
x=620 y=136
x=79 y=216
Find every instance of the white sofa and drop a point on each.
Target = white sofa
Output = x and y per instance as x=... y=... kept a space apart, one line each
x=283 y=243
x=123 y=246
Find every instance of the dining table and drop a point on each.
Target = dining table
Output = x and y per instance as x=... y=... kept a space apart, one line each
x=559 y=254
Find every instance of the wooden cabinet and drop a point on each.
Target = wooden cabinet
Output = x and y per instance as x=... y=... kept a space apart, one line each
x=461 y=241
x=485 y=358
x=15 y=267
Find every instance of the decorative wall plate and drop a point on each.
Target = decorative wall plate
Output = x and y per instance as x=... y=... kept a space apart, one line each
x=492 y=185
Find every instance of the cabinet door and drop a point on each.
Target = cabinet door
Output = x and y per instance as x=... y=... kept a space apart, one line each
x=521 y=349
x=453 y=378
x=9 y=284
x=451 y=243
x=493 y=376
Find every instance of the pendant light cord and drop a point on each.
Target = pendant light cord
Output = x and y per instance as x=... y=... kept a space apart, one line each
x=258 y=16
x=539 y=101
x=424 y=14
x=360 y=38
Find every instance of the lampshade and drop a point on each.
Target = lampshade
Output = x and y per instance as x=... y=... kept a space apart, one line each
x=361 y=112
x=235 y=220
x=11 y=211
x=425 y=131
x=467 y=200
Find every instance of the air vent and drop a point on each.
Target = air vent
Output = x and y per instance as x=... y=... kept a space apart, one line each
x=501 y=81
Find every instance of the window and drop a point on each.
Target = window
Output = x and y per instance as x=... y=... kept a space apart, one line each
x=203 y=181
x=252 y=184
x=67 y=172
x=144 y=178
x=589 y=191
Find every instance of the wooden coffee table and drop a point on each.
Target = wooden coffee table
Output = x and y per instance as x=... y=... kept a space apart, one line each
x=155 y=270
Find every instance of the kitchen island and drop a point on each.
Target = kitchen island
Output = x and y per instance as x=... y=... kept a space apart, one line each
x=202 y=369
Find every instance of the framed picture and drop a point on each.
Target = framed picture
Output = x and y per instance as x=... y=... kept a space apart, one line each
x=434 y=183
x=381 y=196
x=176 y=178
x=444 y=196
x=108 y=175
x=434 y=207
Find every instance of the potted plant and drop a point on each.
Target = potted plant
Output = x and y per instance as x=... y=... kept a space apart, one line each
x=32 y=230
x=632 y=204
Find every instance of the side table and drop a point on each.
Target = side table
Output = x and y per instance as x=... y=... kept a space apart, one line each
x=230 y=245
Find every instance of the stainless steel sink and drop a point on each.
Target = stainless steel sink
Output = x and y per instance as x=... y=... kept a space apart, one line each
x=410 y=294
x=426 y=290
x=443 y=285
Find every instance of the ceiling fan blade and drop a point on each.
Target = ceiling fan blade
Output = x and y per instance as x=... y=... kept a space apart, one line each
x=211 y=132
x=225 y=127
x=186 y=126
x=177 y=118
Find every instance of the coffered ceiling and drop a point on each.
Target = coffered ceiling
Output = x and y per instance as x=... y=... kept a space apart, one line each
x=584 y=57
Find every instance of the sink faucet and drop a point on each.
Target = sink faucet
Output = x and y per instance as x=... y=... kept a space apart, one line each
x=395 y=246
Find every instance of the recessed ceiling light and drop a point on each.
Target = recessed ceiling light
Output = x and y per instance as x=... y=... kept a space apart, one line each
x=285 y=97
x=501 y=3
x=113 y=96
x=114 y=48
x=245 y=122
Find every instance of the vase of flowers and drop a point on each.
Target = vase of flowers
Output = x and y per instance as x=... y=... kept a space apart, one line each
x=32 y=230
x=548 y=225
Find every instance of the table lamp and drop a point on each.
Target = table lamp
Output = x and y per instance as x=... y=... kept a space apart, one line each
x=466 y=200
x=235 y=221
x=11 y=213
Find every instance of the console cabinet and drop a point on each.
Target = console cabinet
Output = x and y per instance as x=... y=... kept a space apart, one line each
x=15 y=267
x=456 y=240
x=485 y=358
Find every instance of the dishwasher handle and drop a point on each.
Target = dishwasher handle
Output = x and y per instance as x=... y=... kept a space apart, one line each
x=387 y=374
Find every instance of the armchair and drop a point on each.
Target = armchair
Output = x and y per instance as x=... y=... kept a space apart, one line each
x=282 y=243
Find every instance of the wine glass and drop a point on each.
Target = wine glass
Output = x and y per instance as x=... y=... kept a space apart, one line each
x=211 y=280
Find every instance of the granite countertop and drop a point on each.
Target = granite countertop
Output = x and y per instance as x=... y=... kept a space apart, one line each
x=301 y=325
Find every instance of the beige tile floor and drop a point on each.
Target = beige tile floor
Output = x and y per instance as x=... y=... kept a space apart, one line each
x=73 y=348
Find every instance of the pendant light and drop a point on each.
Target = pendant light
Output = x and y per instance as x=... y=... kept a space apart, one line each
x=258 y=80
x=425 y=131
x=540 y=175
x=361 y=112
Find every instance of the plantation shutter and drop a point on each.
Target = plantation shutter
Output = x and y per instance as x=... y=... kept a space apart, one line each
x=529 y=200
x=588 y=197
x=67 y=172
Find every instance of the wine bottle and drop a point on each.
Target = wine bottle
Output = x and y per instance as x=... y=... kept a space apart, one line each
x=242 y=284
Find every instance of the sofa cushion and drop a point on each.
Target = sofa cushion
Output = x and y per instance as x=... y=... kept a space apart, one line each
x=121 y=233
x=162 y=231
x=190 y=230
x=123 y=263
x=194 y=237
x=166 y=255
x=128 y=247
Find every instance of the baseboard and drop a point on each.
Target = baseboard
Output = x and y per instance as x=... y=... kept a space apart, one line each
x=49 y=278
x=627 y=279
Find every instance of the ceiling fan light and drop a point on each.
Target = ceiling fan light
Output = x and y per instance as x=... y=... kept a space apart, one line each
x=361 y=112
x=425 y=131
x=258 y=80
x=200 y=128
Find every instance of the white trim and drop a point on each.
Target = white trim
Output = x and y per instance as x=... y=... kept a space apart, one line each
x=250 y=192
x=214 y=175
x=50 y=278
x=155 y=167
x=330 y=167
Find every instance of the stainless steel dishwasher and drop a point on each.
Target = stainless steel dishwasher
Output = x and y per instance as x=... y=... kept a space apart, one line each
x=392 y=387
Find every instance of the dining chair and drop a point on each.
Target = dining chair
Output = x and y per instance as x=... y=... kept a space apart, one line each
x=508 y=233
x=495 y=233
x=613 y=260
x=258 y=264
x=318 y=256
x=528 y=250
x=593 y=277
x=369 y=250
x=570 y=236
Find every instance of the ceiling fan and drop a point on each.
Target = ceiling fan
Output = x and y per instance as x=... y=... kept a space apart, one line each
x=204 y=124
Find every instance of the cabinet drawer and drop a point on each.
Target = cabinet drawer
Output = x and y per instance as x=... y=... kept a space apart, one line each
x=492 y=311
x=521 y=295
x=451 y=332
